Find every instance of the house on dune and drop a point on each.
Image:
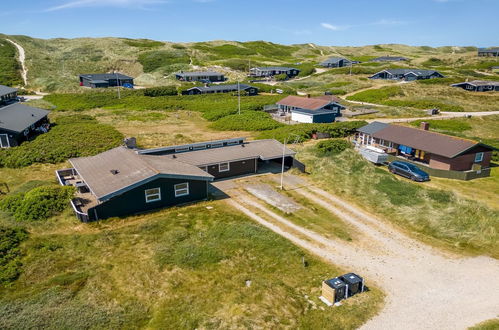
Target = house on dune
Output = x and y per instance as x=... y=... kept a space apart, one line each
x=479 y=85
x=406 y=74
x=105 y=80
x=7 y=94
x=124 y=181
x=19 y=123
x=429 y=150
x=323 y=109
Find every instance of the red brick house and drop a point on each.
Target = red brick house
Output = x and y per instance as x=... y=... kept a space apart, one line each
x=434 y=150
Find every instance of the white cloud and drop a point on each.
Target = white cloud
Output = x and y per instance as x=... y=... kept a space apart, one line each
x=105 y=3
x=333 y=27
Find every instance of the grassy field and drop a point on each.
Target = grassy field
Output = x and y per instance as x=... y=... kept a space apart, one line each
x=487 y=325
x=432 y=211
x=179 y=268
x=10 y=74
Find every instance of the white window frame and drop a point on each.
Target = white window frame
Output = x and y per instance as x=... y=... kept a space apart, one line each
x=148 y=194
x=479 y=157
x=184 y=191
x=217 y=145
x=183 y=149
x=199 y=147
x=225 y=170
x=231 y=143
x=8 y=142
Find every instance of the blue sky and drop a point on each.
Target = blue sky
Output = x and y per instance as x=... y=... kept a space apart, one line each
x=324 y=22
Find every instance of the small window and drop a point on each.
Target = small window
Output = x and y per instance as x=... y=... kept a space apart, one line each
x=182 y=149
x=230 y=143
x=223 y=167
x=182 y=189
x=217 y=145
x=153 y=195
x=199 y=147
x=478 y=157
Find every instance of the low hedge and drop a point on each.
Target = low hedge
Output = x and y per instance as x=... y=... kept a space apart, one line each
x=303 y=132
x=39 y=203
x=332 y=147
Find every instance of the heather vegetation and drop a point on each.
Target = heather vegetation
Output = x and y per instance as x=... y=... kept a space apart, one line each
x=9 y=66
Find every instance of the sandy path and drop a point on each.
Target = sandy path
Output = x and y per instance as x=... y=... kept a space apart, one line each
x=22 y=58
x=426 y=288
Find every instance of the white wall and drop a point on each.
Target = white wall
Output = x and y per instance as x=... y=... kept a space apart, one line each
x=301 y=118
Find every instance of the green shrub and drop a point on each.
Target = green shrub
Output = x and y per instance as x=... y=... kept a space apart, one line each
x=160 y=91
x=38 y=204
x=281 y=77
x=9 y=66
x=377 y=95
x=153 y=60
x=303 y=132
x=246 y=121
x=449 y=125
x=433 y=61
x=332 y=147
x=71 y=139
x=10 y=253
x=143 y=43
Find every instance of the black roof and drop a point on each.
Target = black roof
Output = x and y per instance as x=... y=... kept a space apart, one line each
x=199 y=73
x=417 y=72
x=222 y=87
x=372 y=128
x=104 y=76
x=388 y=59
x=487 y=50
x=17 y=117
x=4 y=90
x=276 y=68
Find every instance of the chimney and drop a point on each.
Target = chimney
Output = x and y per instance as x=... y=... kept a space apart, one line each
x=308 y=96
x=425 y=125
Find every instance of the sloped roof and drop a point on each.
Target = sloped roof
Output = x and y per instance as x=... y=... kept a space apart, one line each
x=277 y=68
x=17 y=117
x=432 y=142
x=478 y=83
x=199 y=73
x=372 y=128
x=4 y=90
x=133 y=170
x=262 y=149
x=311 y=103
x=104 y=76
x=487 y=50
x=389 y=59
x=418 y=72
x=334 y=60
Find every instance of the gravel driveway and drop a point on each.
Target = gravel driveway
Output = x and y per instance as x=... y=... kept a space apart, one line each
x=426 y=288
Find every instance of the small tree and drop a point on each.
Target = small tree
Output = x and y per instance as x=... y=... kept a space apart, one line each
x=332 y=147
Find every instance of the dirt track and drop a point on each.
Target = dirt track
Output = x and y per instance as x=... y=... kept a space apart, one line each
x=426 y=288
x=22 y=58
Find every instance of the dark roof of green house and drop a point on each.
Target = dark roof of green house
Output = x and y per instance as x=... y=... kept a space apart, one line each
x=232 y=87
x=104 y=76
x=372 y=128
x=17 y=117
x=4 y=90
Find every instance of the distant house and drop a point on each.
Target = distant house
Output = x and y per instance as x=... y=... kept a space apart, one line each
x=123 y=181
x=429 y=149
x=479 y=85
x=204 y=76
x=7 y=94
x=406 y=74
x=104 y=80
x=488 y=52
x=389 y=59
x=322 y=109
x=19 y=123
x=270 y=71
x=245 y=89
x=336 y=62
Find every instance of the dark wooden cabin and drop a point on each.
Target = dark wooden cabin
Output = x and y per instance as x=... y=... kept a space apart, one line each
x=19 y=123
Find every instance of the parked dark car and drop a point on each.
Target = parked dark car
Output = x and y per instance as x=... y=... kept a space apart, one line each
x=408 y=170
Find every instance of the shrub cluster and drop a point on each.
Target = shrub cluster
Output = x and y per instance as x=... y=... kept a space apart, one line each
x=153 y=60
x=10 y=253
x=143 y=43
x=37 y=204
x=160 y=91
x=377 y=95
x=332 y=147
x=304 y=132
x=247 y=121
x=71 y=137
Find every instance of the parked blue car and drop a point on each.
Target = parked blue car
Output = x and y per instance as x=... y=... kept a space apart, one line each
x=408 y=170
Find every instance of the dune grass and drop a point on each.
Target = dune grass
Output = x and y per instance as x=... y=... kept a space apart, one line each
x=438 y=215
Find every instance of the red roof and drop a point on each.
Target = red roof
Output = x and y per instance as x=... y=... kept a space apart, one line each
x=306 y=102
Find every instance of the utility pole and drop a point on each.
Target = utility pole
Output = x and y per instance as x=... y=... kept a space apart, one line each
x=282 y=167
x=351 y=64
x=118 y=83
x=238 y=98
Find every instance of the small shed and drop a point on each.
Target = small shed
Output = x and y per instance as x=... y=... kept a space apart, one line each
x=354 y=282
x=334 y=290
x=313 y=116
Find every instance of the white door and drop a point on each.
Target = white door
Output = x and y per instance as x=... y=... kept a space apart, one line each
x=4 y=141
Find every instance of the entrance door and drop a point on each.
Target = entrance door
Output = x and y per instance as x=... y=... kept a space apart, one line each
x=4 y=141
